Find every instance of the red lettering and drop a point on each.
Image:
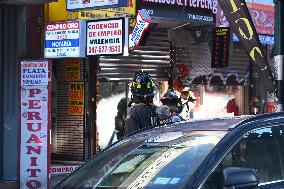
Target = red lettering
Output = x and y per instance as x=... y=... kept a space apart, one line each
x=76 y=109
x=33 y=172
x=72 y=76
x=36 y=150
x=30 y=127
x=33 y=184
x=59 y=170
x=33 y=104
x=33 y=92
x=33 y=161
x=34 y=138
x=33 y=116
x=76 y=94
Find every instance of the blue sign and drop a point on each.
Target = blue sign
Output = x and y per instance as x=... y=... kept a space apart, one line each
x=264 y=39
x=73 y=5
x=65 y=39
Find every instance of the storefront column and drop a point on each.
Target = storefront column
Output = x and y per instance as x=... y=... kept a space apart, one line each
x=279 y=50
x=90 y=136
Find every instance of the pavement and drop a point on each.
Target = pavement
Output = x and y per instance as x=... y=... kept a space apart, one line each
x=57 y=173
x=13 y=184
x=8 y=184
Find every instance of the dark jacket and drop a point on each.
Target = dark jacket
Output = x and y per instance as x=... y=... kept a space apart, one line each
x=140 y=116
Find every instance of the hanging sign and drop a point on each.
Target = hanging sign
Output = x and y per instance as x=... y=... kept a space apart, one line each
x=72 y=70
x=107 y=37
x=262 y=17
x=141 y=25
x=65 y=39
x=35 y=109
x=220 y=47
x=202 y=4
x=87 y=4
x=159 y=13
x=76 y=99
x=129 y=11
x=241 y=23
x=264 y=39
x=34 y=73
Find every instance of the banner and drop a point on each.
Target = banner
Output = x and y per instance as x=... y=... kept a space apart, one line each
x=241 y=23
x=190 y=12
x=262 y=17
x=35 y=111
x=92 y=4
x=129 y=11
x=210 y=5
x=141 y=25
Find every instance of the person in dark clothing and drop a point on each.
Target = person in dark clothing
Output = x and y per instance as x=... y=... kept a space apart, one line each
x=143 y=113
x=172 y=100
x=120 y=118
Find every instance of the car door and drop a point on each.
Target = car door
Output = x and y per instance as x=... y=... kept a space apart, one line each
x=261 y=149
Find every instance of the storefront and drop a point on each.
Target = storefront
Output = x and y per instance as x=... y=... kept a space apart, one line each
x=178 y=36
x=262 y=15
x=189 y=29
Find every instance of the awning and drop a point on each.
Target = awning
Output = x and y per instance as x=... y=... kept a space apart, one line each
x=195 y=53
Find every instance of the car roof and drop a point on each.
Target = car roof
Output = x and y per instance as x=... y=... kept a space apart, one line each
x=211 y=124
x=221 y=124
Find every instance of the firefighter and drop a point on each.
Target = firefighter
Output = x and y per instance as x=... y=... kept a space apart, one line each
x=143 y=112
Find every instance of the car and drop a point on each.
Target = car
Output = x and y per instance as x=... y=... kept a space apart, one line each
x=231 y=152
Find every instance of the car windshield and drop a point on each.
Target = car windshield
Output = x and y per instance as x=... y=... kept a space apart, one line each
x=159 y=160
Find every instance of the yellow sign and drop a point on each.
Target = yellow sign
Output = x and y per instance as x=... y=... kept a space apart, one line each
x=76 y=99
x=56 y=11
x=129 y=11
x=72 y=69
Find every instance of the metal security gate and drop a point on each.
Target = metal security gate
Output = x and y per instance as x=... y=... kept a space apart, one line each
x=153 y=57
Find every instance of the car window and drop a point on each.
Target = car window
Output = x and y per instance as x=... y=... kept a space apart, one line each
x=260 y=149
x=164 y=160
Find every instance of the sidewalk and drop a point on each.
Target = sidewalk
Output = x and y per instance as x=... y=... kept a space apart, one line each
x=8 y=184
x=13 y=184
x=57 y=173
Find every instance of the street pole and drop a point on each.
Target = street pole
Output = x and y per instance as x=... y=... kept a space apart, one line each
x=279 y=50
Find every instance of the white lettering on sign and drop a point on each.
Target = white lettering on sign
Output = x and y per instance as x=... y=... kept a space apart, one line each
x=62 y=26
x=61 y=44
x=200 y=17
x=204 y=4
x=139 y=28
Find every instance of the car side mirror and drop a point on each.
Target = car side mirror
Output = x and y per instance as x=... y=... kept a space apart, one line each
x=239 y=177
